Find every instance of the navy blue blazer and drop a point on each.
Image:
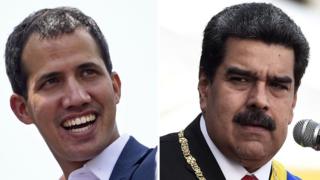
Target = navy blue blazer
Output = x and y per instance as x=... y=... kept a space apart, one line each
x=136 y=162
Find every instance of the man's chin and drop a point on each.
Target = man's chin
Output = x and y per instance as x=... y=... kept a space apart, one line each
x=254 y=151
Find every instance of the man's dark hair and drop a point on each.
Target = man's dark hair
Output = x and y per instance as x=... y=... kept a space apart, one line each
x=257 y=21
x=48 y=23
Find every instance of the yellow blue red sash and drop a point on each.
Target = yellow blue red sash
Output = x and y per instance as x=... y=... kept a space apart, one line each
x=280 y=173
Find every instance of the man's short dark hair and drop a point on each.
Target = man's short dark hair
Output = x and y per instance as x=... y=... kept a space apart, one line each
x=257 y=21
x=48 y=23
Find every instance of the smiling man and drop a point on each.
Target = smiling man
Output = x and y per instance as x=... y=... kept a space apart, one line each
x=253 y=59
x=59 y=67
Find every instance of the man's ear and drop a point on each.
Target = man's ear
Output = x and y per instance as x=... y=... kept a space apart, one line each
x=116 y=83
x=203 y=86
x=19 y=107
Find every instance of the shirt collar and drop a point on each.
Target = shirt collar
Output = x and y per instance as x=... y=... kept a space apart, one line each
x=231 y=169
x=102 y=165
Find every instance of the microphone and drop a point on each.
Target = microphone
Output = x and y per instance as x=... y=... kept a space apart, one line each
x=307 y=133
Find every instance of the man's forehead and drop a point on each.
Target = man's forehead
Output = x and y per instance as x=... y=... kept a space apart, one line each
x=77 y=45
x=245 y=71
x=255 y=53
x=263 y=73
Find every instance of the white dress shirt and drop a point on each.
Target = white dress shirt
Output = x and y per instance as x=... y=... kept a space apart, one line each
x=100 y=167
x=231 y=169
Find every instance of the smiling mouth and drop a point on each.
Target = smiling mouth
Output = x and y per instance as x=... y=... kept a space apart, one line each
x=79 y=124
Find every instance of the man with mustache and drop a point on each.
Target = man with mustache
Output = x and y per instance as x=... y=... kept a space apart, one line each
x=255 y=117
x=253 y=59
x=59 y=66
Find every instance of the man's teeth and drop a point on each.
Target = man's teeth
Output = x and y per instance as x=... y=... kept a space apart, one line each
x=77 y=130
x=79 y=120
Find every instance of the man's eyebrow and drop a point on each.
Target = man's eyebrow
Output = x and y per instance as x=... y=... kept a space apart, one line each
x=281 y=79
x=55 y=74
x=88 y=65
x=237 y=71
x=47 y=76
x=44 y=77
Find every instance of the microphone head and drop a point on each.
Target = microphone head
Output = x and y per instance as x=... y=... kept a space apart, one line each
x=305 y=133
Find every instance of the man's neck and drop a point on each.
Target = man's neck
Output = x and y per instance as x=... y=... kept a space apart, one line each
x=67 y=168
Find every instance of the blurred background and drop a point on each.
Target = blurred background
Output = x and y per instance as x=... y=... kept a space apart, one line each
x=130 y=29
x=181 y=24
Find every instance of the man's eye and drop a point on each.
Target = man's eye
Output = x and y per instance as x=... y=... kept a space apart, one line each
x=279 y=86
x=49 y=83
x=88 y=72
x=238 y=79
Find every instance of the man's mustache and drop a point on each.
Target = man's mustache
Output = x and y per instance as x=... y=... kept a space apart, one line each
x=255 y=117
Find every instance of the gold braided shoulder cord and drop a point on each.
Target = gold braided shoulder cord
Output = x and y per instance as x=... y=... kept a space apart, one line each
x=193 y=162
x=188 y=157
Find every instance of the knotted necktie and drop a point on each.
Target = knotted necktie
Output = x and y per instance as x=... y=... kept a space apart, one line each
x=251 y=177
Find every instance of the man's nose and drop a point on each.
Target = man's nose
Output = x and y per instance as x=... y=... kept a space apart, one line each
x=258 y=97
x=75 y=94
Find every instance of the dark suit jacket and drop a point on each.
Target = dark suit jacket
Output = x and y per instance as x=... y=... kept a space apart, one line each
x=173 y=166
x=136 y=162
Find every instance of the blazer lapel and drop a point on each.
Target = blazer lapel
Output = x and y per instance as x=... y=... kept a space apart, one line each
x=201 y=151
x=129 y=163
